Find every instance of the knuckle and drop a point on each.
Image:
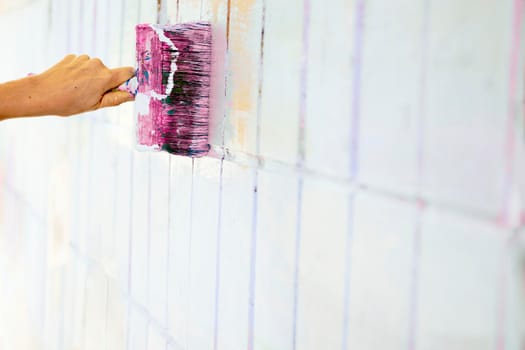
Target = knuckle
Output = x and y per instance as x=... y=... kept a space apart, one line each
x=96 y=61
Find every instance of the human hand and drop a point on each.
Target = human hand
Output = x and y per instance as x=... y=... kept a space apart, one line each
x=77 y=84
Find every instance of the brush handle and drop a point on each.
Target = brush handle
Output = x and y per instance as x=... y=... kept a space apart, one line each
x=131 y=86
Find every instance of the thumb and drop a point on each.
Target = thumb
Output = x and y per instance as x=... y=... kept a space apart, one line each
x=114 y=98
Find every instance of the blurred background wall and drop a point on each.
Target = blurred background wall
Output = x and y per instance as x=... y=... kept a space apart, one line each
x=364 y=188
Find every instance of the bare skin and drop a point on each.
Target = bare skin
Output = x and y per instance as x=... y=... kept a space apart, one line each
x=74 y=85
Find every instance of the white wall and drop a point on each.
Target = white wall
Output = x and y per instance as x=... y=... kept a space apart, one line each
x=364 y=190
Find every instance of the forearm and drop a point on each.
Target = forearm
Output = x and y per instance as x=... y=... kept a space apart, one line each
x=74 y=85
x=21 y=98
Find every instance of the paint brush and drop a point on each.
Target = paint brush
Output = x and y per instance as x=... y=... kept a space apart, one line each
x=172 y=87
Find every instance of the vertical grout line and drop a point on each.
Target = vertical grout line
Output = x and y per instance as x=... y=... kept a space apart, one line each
x=502 y=296
x=226 y=64
x=353 y=162
x=347 y=273
x=84 y=302
x=219 y=221
x=68 y=27
x=297 y=259
x=121 y=39
x=356 y=91
x=261 y=83
x=168 y=246
x=159 y=11
x=80 y=26
x=512 y=108
x=253 y=262
x=106 y=314
x=94 y=48
x=177 y=16
x=108 y=28
x=416 y=248
x=62 y=307
x=414 y=279
x=303 y=83
x=130 y=248
x=300 y=161
x=505 y=215
x=218 y=259
x=148 y=228
x=253 y=246
x=115 y=182
x=188 y=309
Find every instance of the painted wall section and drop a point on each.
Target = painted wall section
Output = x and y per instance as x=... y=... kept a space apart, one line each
x=364 y=188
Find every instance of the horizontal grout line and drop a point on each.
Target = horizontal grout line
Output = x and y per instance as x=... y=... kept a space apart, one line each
x=345 y=185
x=163 y=330
x=342 y=183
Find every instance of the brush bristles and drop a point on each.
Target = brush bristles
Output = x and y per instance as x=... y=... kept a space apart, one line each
x=174 y=80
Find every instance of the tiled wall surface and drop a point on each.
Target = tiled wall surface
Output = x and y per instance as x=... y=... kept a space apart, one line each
x=364 y=190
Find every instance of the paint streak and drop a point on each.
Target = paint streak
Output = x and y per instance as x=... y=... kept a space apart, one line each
x=244 y=63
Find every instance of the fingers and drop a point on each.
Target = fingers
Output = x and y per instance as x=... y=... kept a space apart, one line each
x=68 y=58
x=114 y=98
x=120 y=75
x=81 y=58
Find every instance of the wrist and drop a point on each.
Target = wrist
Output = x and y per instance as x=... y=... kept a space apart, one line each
x=21 y=98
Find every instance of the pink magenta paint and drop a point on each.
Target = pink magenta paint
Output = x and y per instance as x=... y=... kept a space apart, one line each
x=173 y=94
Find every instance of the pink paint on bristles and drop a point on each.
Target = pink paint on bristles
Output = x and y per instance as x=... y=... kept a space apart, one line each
x=173 y=95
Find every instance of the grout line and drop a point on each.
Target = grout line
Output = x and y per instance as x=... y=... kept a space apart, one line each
x=351 y=185
x=106 y=312
x=148 y=248
x=303 y=83
x=253 y=264
x=347 y=273
x=421 y=205
x=121 y=41
x=260 y=84
x=61 y=333
x=80 y=25
x=414 y=283
x=218 y=260
x=68 y=26
x=84 y=302
x=90 y=263
x=356 y=91
x=297 y=257
x=353 y=170
x=130 y=242
x=516 y=45
x=94 y=49
x=301 y=154
x=253 y=248
x=226 y=61
x=168 y=243
x=510 y=151
x=188 y=309
x=219 y=219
